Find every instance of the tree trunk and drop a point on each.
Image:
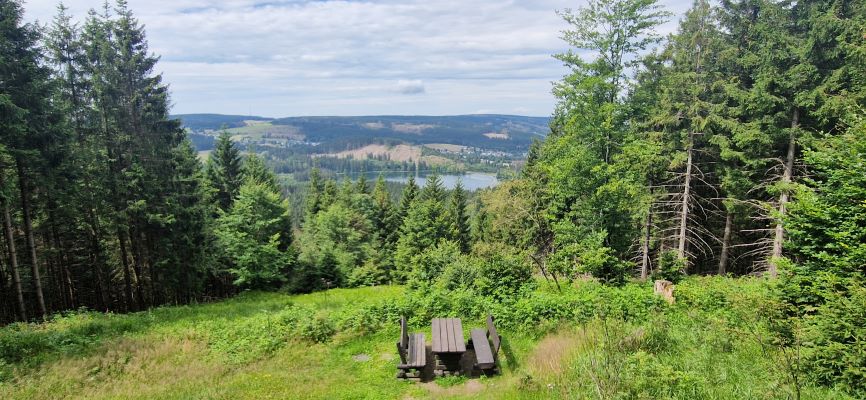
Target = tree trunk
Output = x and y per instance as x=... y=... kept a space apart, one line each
x=787 y=178
x=56 y=297
x=64 y=261
x=13 y=256
x=684 y=214
x=726 y=243
x=127 y=279
x=31 y=243
x=103 y=287
x=134 y=241
x=645 y=250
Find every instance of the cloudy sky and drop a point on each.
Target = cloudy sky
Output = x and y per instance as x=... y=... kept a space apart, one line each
x=289 y=58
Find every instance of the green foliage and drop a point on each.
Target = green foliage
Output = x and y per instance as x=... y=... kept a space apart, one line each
x=317 y=330
x=827 y=223
x=256 y=236
x=502 y=272
x=255 y=169
x=224 y=170
x=670 y=267
x=427 y=267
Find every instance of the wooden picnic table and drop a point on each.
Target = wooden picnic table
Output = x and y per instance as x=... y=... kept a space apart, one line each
x=448 y=344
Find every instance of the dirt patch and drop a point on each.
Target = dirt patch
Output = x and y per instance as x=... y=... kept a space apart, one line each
x=497 y=135
x=471 y=386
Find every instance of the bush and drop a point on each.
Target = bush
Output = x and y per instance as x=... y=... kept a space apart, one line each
x=461 y=274
x=834 y=340
x=502 y=274
x=428 y=266
x=317 y=330
x=671 y=267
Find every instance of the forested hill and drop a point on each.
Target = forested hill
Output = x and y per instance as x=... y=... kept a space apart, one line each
x=489 y=131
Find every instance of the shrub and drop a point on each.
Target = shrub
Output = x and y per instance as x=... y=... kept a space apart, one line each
x=671 y=267
x=317 y=330
x=427 y=267
x=503 y=274
x=834 y=340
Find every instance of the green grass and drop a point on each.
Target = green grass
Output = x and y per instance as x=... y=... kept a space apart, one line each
x=264 y=345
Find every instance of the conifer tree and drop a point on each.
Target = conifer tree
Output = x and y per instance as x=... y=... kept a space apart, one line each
x=254 y=168
x=224 y=170
x=460 y=231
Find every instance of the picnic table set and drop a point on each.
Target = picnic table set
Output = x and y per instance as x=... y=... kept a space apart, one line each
x=451 y=355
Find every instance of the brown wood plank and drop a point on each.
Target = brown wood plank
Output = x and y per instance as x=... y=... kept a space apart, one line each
x=449 y=329
x=483 y=353
x=436 y=341
x=458 y=331
x=419 y=349
x=443 y=336
x=418 y=354
x=493 y=334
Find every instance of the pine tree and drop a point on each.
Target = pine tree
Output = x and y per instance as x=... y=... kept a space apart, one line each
x=224 y=170
x=28 y=123
x=460 y=231
x=410 y=193
x=256 y=232
x=314 y=195
x=254 y=168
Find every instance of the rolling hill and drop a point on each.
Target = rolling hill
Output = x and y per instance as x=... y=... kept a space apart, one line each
x=510 y=133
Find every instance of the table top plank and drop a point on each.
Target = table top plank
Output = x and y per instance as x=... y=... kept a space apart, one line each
x=447 y=335
x=436 y=342
x=449 y=329
x=458 y=330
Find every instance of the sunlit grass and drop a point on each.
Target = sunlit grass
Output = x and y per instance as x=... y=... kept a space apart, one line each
x=243 y=348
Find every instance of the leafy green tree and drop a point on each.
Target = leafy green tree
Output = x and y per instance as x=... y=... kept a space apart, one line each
x=584 y=198
x=339 y=232
x=28 y=124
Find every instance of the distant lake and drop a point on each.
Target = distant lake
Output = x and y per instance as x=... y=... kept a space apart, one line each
x=471 y=180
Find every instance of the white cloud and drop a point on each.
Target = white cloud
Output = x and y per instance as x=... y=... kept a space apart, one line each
x=410 y=86
x=283 y=58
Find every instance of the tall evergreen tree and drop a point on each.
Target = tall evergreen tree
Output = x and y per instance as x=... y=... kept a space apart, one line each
x=460 y=231
x=224 y=170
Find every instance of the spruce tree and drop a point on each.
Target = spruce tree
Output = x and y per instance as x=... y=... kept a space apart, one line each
x=255 y=169
x=460 y=230
x=224 y=170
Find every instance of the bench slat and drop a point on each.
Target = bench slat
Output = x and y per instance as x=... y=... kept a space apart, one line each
x=483 y=353
x=417 y=351
x=493 y=334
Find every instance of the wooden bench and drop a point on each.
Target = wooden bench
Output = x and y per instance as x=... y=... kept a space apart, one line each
x=486 y=343
x=413 y=353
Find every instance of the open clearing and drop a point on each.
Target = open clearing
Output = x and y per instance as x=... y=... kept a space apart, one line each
x=242 y=348
x=264 y=129
x=398 y=153
x=451 y=148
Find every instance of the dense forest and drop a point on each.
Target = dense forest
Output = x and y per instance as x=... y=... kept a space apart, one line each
x=734 y=147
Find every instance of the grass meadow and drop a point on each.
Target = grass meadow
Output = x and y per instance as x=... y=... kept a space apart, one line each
x=340 y=344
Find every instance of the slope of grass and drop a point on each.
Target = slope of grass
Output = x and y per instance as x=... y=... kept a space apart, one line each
x=340 y=344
